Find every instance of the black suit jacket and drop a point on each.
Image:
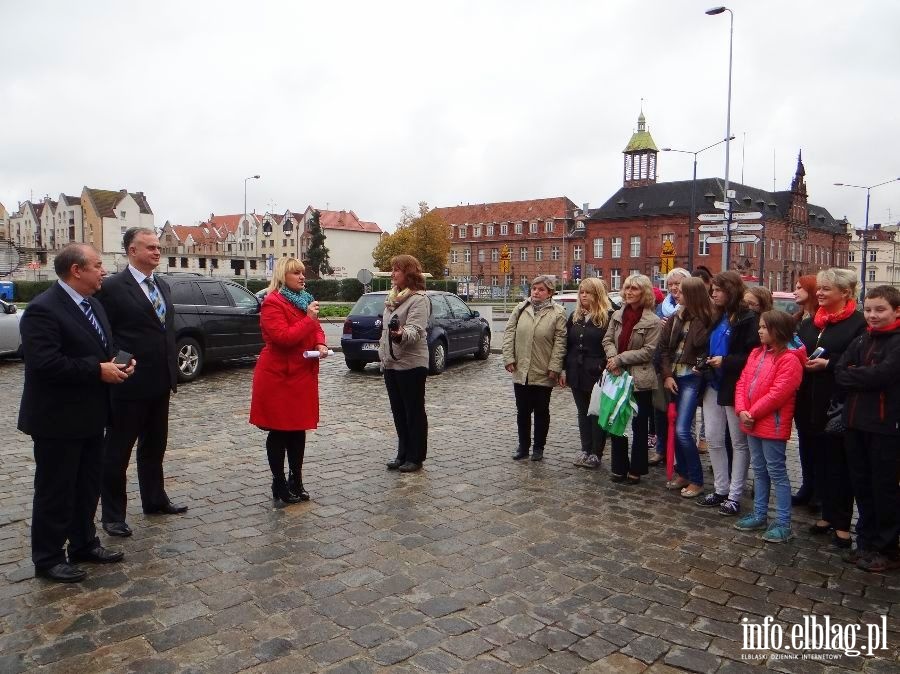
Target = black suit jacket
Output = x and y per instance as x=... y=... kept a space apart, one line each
x=136 y=329
x=63 y=395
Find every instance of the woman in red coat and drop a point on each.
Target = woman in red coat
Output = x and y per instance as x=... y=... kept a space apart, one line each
x=285 y=398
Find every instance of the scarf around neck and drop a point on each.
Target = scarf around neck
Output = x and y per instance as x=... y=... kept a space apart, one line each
x=823 y=318
x=395 y=298
x=300 y=300
x=537 y=306
x=887 y=328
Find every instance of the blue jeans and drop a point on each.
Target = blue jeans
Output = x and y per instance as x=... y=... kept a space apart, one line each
x=687 y=457
x=769 y=472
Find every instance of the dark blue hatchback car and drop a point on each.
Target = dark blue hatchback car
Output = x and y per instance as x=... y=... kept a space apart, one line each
x=454 y=330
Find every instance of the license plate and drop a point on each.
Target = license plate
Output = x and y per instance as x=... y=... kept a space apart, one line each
x=370 y=347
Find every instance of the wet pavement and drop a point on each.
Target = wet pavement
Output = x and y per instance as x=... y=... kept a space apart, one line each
x=475 y=564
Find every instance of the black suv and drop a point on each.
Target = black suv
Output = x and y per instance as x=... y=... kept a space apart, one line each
x=454 y=330
x=214 y=320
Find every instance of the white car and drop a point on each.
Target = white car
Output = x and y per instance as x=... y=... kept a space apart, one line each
x=569 y=300
x=10 y=339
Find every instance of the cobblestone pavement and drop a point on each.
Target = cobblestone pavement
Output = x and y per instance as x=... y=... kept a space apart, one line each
x=476 y=564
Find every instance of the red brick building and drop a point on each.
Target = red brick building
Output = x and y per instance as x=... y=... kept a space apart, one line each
x=542 y=236
x=626 y=234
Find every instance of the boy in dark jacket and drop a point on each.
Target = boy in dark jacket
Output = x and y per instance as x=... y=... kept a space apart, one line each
x=869 y=373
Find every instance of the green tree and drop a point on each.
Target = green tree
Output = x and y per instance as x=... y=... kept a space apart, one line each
x=317 y=261
x=423 y=234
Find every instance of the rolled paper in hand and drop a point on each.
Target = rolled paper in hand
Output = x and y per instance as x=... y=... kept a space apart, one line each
x=315 y=354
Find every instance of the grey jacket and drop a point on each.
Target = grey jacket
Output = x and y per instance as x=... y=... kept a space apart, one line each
x=535 y=343
x=638 y=358
x=412 y=351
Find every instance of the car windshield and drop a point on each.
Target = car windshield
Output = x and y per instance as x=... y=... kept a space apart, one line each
x=369 y=305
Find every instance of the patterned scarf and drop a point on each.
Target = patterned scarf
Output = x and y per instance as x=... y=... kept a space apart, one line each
x=394 y=298
x=300 y=300
x=537 y=306
x=823 y=318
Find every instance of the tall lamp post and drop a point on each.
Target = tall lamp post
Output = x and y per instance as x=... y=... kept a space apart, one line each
x=246 y=234
x=726 y=252
x=865 y=246
x=693 y=216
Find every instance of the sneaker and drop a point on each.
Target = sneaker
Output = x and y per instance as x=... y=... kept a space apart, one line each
x=712 y=500
x=751 y=522
x=651 y=441
x=592 y=462
x=580 y=460
x=878 y=563
x=729 y=508
x=778 y=533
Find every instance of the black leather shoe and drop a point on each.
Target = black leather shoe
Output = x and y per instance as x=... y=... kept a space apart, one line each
x=61 y=573
x=117 y=529
x=537 y=455
x=97 y=555
x=520 y=454
x=394 y=464
x=410 y=467
x=166 y=509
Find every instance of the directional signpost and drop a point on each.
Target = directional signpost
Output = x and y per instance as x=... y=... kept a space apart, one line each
x=711 y=217
x=747 y=227
x=712 y=228
x=722 y=205
x=753 y=215
x=735 y=238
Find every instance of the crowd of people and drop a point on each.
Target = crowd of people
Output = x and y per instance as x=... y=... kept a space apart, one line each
x=715 y=345
x=100 y=367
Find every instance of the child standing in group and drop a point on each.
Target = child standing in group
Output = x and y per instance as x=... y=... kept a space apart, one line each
x=764 y=402
x=869 y=373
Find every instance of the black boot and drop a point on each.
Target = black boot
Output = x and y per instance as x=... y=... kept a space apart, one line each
x=295 y=484
x=280 y=491
x=520 y=454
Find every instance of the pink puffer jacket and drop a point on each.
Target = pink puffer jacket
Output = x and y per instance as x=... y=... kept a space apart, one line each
x=767 y=388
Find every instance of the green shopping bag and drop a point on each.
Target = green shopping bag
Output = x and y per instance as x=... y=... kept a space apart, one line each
x=616 y=404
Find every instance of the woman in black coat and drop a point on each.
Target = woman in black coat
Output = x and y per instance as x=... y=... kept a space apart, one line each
x=833 y=327
x=585 y=362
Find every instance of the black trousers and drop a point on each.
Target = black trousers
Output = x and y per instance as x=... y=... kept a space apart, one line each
x=832 y=479
x=532 y=399
x=807 y=464
x=621 y=465
x=874 y=462
x=593 y=438
x=147 y=422
x=66 y=491
x=406 y=393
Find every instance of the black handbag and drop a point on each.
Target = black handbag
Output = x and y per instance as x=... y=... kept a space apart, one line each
x=835 y=418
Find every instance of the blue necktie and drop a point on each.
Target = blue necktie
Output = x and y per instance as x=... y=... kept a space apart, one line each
x=156 y=300
x=86 y=308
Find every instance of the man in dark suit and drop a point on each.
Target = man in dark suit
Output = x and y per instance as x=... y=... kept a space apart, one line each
x=67 y=343
x=141 y=314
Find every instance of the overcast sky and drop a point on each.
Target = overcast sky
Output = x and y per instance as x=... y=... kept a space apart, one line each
x=374 y=105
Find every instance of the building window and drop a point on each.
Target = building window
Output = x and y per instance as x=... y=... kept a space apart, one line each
x=576 y=253
x=851 y=256
x=871 y=273
x=495 y=254
x=554 y=252
x=598 y=248
x=635 y=246
x=462 y=231
x=533 y=227
x=454 y=256
x=523 y=281
x=539 y=253
x=467 y=255
x=493 y=280
x=548 y=227
x=476 y=230
x=872 y=255
x=781 y=250
x=171 y=261
x=617 y=246
x=490 y=230
x=523 y=254
x=481 y=254
x=615 y=277
x=214 y=263
x=504 y=230
x=518 y=228
x=703 y=244
x=742 y=249
x=201 y=262
x=184 y=263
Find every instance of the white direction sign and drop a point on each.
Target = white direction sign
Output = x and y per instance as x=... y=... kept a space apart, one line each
x=724 y=205
x=715 y=239
x=735 y=238
x=746 y=216
x=711 y=217
x=712 y=228
x=747 y=227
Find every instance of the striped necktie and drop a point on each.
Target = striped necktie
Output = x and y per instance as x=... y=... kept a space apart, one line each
x=156 y=301
x=86 y=308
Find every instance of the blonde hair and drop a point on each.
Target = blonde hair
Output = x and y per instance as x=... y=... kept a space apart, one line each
x=844 y=279
x=283 y=266
x=598 y=313
x=648 y=299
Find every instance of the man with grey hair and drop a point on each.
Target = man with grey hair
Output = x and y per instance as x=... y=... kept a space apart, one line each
x=142 y=318
x=68 y=347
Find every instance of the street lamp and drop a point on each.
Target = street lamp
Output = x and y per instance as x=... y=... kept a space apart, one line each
x=246 y=235
x=865 y=248
x=693 y=216
x=726 y=252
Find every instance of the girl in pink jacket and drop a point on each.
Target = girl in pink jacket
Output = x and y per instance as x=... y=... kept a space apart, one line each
x=764 y=402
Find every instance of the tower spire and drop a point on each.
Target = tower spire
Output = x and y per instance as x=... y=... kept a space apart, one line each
x=640 y=155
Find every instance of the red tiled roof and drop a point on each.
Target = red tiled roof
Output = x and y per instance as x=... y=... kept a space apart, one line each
x=346 y=220
x=228 y=222
x=201 y=233
x=508 y=211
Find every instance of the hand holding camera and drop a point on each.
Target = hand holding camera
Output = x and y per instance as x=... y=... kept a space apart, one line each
x=394 y=329
x=701 y=365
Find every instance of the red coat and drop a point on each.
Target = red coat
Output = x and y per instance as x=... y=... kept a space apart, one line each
x=767 y=388
x=285 y=384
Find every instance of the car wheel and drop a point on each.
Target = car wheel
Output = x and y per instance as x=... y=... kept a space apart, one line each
x=484 y=346
x=438 y=360
x=355 y=365
x=190 y=359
